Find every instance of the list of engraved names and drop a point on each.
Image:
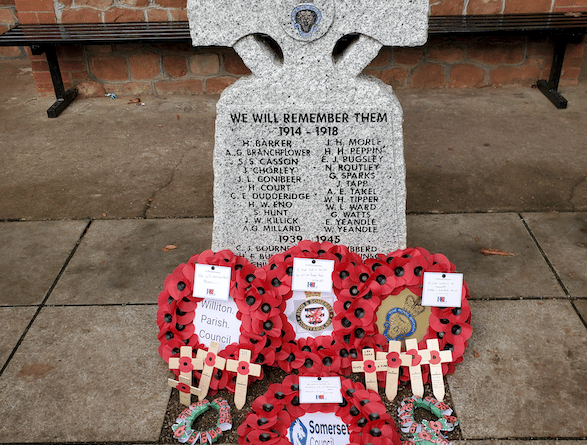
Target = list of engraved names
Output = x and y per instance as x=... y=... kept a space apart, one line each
x=309 y=175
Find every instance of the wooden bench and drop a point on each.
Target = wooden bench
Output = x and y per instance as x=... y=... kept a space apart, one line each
x=561 y=27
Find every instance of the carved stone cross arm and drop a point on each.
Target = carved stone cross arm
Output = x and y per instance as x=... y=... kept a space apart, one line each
x=391 y=22
x=293 y=23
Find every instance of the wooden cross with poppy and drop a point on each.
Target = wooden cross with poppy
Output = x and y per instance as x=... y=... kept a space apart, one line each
x=207 y=361
x=370 y=367
x=414 y=360
x=185 y=364
x=185 y=391
x=435 y=357
x=243 y=368
x=392 y=357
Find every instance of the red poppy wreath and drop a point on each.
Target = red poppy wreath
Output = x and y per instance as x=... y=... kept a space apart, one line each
x=278 y=417
x=177 y=309
x=315 y=341
x=404 y=270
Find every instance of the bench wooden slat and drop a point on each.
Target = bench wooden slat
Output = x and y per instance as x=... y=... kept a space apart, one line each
x=166 y=32
x=44 y=38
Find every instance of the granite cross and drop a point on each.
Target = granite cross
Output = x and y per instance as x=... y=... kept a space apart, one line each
x=307 y=147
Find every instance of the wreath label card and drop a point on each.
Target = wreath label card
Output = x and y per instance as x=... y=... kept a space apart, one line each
x=312 y=275
x=442 y=289
x=318 y=429
x=212 y=282
x=320 y=390
x=311 y=313
x=217 y=321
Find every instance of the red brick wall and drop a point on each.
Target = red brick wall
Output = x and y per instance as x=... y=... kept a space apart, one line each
x=8 y=20
x=167 y=69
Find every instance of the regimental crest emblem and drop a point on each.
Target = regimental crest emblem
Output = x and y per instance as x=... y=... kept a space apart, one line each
x=400 y=323
x=314 y=314
x=306 y=18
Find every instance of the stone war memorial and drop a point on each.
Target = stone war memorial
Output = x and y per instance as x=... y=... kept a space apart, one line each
x=307 y=147
x=309 y=272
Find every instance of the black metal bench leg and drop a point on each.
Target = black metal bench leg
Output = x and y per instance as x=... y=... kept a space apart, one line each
x=64 y=98
x=550 y=88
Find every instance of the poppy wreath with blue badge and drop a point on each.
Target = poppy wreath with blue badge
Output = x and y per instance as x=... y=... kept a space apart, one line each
x=404 y=270
x=177 y=307
x=274 y=416
x=334 y=351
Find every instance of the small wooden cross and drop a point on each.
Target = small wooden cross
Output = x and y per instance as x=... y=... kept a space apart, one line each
x=435 y=357
x=207 y=361
x=185 y=364
x=243 y=367
x=185 y=391
x=414 y=360
x=370 y=367
x=392 y=357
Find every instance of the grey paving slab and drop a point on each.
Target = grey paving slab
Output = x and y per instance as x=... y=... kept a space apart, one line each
x=86 y=375
x=31 y=256
x=563 y=237
x=581 y=306
x=462 y=236
x=14 y=322
x=123 y=261
x=524 y=372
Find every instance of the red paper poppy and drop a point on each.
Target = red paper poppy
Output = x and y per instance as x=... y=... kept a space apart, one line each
x=330 y=359
x=393 y=360
x=382 y=280
x=176 y=285
x=210 y=359
x=434 y=357
x=369 y=366
x=185 y=364
x=360 y=313
x=416 y=358
x=183 y=388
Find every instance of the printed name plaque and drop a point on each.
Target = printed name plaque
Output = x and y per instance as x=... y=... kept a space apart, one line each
x=320 y=390
x=442 y=289
x=212 y=282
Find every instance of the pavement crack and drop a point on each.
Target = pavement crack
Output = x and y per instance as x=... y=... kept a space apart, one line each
x=573 y=189
x=164 y=185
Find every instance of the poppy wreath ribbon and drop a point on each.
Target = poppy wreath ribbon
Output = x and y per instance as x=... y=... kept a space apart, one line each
x=361 y=410
x=427 y=432
x=183 y=431
x=177 y=307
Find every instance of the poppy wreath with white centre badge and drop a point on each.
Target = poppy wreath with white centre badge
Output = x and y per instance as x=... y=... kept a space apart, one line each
x=177 y=307
x=361 y=410
x=331 y=353
x=451 y=326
